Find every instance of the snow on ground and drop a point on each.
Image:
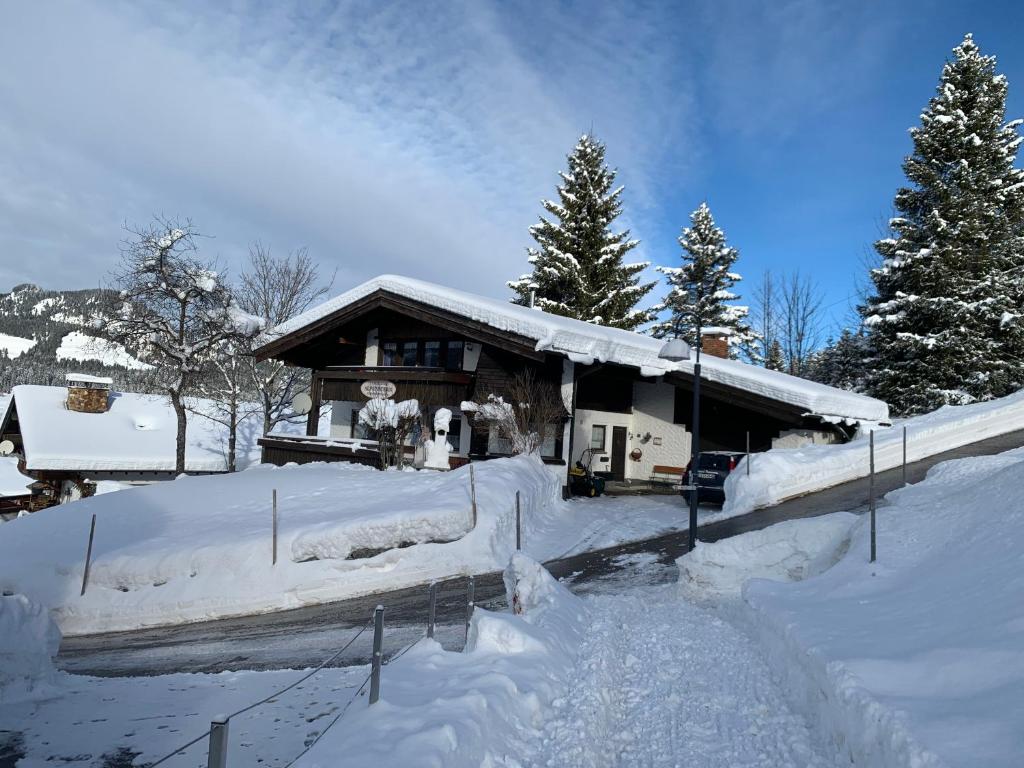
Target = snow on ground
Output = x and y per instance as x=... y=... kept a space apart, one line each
x=28 y=642
x=781 y=474
x=200 y=547
x=586 y=343
x=917 y=659
x=83 y=347
x=15 y=346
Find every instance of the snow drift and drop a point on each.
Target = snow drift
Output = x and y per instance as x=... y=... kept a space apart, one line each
x=201 y=547
x=475 y=708
x=782 y=474
x=918 y=659
x=29 y=639
x=788 y=551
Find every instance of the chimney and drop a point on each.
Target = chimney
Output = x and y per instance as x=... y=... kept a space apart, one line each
x=88 y=394
x=715 y=341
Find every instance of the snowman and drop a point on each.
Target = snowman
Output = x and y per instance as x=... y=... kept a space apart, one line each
x=437 y=450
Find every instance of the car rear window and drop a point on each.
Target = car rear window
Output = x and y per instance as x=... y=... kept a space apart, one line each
x=714 y=461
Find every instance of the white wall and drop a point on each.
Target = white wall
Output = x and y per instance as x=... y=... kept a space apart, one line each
x=653 y=411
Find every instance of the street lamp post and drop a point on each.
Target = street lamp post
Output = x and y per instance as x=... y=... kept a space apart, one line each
x=675 y=351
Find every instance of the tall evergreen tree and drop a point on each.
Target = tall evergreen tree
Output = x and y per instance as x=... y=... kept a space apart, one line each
x=840 y=362
x=775 y=360
x=700 y=288
x=578 y=268
x=944 y=321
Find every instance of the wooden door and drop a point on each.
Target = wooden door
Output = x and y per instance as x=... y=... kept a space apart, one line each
x=618 y=453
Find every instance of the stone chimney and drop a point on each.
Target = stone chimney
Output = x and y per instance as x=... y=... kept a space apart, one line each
x=715 y=341
x=88 y=394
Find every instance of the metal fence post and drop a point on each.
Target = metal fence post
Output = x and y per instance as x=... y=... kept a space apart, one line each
x=88 y=555
x=472 y=492
x=748 y=453
x=519 y=526
x=904 y=455
x=431 y=609
x=274 y=562
x=470 y=598
x=218 y=757
x=871 y=494
x=375 y=662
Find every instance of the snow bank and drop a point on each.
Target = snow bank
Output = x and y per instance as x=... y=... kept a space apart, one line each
x=12 y=482
x=476 y=708
x=200 y=547
x=15 y=346
x=788 y=551
x=918 y=659
x=585 y=342
x=782 y=474
x=29 y=639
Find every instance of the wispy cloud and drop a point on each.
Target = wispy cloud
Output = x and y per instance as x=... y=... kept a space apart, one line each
x=404 y=137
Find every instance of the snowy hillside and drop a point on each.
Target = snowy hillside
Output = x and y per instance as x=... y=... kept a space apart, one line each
x=46 y=334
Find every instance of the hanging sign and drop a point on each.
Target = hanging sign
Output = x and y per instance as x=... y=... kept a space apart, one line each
x=377 y=389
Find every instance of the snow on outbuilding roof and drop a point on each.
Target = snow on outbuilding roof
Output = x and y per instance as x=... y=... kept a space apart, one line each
x=587 y=343
x=136 y=434
x=12 y=482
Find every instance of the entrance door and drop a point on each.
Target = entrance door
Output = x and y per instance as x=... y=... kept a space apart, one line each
x=618 y=453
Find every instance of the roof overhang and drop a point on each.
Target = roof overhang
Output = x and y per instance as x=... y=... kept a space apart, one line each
x=382 y=299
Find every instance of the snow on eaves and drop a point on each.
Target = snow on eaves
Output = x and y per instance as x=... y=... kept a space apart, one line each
x=584 y=342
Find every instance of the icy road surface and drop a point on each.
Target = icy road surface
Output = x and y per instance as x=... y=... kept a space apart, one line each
x=661 y=681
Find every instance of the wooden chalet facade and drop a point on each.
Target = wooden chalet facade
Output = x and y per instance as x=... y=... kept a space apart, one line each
x=415 y=340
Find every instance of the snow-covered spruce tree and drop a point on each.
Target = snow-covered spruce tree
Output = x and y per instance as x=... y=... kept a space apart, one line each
x=578 y=268
x=174 y=311
x=840 y=363
x=700 y=289
x=775 y=360
x=944 y=321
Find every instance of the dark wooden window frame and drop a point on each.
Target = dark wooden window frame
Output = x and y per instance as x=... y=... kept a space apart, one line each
x=420 y=346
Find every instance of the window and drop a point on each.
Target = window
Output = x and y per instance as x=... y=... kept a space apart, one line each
x=389 y=353
x=597 y=433
x=359 y=430
x=408 y=351
x=453 y=356
x=432 y=354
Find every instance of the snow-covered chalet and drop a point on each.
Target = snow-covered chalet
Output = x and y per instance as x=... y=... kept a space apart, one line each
x=410 y=338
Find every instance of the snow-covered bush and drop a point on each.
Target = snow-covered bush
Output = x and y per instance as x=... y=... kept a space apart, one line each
x=526 y=418
x=389 y=424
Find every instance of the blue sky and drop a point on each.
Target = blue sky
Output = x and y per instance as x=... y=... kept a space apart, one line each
x=418 y=138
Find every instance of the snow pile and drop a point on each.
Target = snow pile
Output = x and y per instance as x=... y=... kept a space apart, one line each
x=437 y=449
x=15 y=346
x=476 y=708
x=136 y=433
x=782 y=474
x=789 y=551
x=586 y=343
x=82 y=347
x=918 y=659
x=380 y=414
x=29 y=640
x=201 y=547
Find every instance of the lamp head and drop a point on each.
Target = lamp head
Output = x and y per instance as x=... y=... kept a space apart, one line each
x=675 y=350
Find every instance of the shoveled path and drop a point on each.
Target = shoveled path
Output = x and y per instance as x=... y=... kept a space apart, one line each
x=661 y=682
x=304 y=636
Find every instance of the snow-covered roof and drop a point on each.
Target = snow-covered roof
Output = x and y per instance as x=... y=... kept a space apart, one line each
x=86 y=378
x=136 y=434
x=12 y=482
x=587 y=343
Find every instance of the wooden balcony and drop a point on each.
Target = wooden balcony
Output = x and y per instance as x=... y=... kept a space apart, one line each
x=435 y=386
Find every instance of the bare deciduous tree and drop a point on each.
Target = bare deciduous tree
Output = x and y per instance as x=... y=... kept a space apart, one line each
x=766 y=301
x=174 y=310
x=801 y=328
x=525 y=418
x=276 y=289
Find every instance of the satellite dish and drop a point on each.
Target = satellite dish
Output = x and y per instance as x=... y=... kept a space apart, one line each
x=302 y=403
x=6 y=448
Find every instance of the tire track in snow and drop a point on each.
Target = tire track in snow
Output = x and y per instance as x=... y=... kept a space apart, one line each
x=660 y=682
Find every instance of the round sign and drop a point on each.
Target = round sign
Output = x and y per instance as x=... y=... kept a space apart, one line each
x=6 y=448
x=377 y=389
x=302 y=403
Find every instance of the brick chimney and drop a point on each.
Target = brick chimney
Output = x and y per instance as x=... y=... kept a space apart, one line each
x=88 y=394
x=715 y=341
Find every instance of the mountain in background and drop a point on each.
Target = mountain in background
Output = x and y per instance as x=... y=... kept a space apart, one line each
x=47 y=334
